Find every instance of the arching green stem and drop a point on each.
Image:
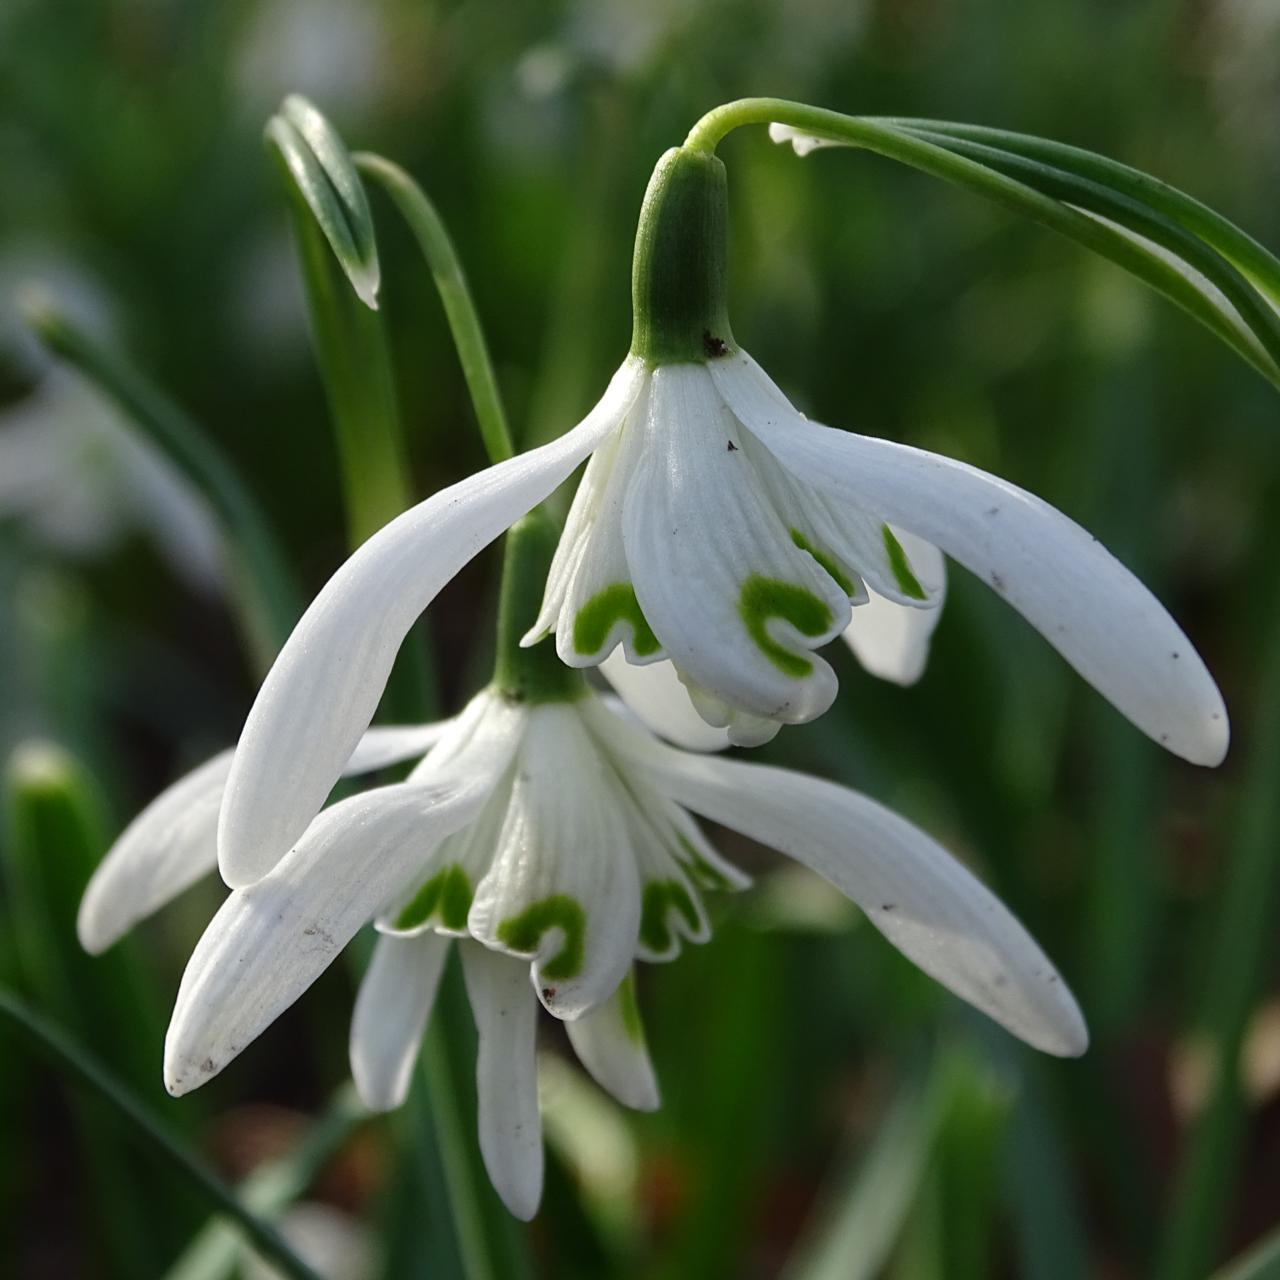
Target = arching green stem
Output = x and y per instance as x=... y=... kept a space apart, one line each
x=1171 y=242
x=451 y=282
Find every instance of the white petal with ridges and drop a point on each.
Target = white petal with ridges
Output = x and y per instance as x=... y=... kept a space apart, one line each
x=714 y=569
x=506 y=1076
x=324 y=687
x=924 y=901
x=892 y=640
x=562 y=889
x=392 y=1008
x=164 y=850
x=268 y=943
x=1061 y=579
x=609 y=1042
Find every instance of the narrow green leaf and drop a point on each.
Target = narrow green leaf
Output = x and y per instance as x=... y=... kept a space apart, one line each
x=264 y=585
x=214 y=1253
x=78 y=1062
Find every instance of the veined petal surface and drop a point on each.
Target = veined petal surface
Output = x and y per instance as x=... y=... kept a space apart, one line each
x=924 y=901
x=506 y=1076
x=1106 y=624
x=562 y=889
x=325 y=685
x=269 y=942
x=170 y=845
x=392 y=1007
x=737 y=605
x=609 y=1041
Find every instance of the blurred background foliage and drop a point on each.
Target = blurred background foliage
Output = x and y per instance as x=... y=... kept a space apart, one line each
x=828 y=1111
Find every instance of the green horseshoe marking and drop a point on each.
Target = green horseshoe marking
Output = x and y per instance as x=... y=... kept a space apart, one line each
x=596 y=618
x=764 y=598
x=659 y=895
x=448 y=892
x=524 y=932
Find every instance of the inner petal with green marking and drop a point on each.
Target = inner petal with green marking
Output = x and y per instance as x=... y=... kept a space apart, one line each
x=447 y=895
x=827 y=561
x=660 y=897
x=523 y=933
x=596 y=618
x=907 y=581
x=763 y=599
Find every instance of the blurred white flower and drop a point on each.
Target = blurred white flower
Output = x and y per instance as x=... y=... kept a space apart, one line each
x=75 y=475
x=333 y=1244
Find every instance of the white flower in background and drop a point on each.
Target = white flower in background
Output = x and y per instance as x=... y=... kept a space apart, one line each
x=74 y=475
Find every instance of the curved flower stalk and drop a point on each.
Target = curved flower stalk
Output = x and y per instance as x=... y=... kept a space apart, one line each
x=716 y=527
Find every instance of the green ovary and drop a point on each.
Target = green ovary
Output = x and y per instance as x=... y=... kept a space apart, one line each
x=907 y=581
x=447 y=893
x=659 y=896
x=596 y=618
x=827 y=562
x=764 y=598
x=524 y=932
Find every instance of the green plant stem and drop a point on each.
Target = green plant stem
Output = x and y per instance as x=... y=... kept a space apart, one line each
x=1241 y=937
x=50 y=1040
x=355 y=365
x=264 y=585
x=455 y=295
x=1258 y=346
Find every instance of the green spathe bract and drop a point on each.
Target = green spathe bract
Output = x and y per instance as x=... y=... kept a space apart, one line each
x=678 y=291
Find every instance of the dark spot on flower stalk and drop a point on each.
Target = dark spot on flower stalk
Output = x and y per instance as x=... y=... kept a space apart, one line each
x=713 y=346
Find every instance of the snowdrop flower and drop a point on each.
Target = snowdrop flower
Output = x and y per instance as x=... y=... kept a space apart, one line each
x=718 y=528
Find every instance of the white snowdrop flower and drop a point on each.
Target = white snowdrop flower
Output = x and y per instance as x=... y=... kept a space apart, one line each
x=717 y=528
x=558 y=833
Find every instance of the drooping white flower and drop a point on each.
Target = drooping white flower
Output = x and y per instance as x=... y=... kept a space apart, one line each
x=559 y=833
x=717 y=527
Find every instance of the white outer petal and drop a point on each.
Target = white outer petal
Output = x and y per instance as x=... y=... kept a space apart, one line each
x=614 y=1054
x=164 y=850
x=924 y=901
x=385 y=745
x=325 y=685
x=1105 y=623
x=506 y=1016
x=660 y=701
x=268 y=943
x=392 y=1008
x=892 y=640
